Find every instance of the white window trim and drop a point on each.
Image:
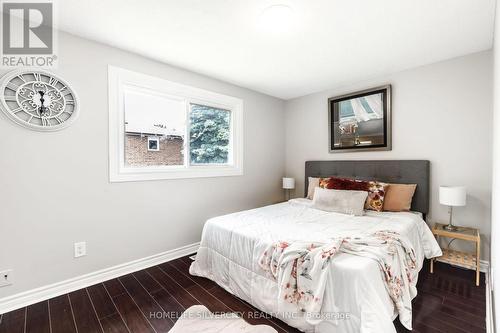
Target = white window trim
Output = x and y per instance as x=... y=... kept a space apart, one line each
x=118 y=79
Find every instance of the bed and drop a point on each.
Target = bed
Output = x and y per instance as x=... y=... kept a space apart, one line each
x=355 y=299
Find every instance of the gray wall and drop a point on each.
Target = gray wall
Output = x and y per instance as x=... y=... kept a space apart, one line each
x=441 y=112
x=54 y=187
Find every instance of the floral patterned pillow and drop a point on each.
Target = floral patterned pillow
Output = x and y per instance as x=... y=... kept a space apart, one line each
x=376 y=196
x=376 y=190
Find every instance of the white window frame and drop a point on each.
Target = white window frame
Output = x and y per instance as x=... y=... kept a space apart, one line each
x=120 y=79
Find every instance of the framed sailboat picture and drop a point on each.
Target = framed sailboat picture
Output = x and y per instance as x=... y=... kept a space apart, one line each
x=360 y=121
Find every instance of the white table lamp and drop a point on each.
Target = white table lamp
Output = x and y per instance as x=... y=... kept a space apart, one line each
x=452 y=196
x=288 y=184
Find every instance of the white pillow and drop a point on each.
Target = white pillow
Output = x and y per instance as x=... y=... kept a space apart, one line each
x=313 y=183
x=340 y=201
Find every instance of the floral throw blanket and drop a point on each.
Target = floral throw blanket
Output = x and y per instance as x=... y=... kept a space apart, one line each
x=301 y=270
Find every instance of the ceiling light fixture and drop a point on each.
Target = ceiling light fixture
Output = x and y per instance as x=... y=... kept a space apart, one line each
x=277 y=18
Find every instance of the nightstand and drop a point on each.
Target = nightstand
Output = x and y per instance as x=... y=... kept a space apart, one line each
x=462 y=259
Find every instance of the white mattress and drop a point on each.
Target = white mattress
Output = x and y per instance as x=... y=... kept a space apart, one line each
x=232 y=243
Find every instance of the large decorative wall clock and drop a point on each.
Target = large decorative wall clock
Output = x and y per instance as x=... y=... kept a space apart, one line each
x=38 y=100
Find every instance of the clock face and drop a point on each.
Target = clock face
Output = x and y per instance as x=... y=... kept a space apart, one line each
x=38 y=100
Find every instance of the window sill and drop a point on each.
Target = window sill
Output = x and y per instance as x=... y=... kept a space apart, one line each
x=145 y=174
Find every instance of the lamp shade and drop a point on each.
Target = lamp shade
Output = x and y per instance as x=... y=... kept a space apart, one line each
x=288 y=183
x=452 y=195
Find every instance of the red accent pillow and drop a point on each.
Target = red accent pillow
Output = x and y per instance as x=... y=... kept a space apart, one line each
x=334 y=183
x=376 y=190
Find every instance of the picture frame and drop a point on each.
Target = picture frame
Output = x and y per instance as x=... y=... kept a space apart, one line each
x=360 y=121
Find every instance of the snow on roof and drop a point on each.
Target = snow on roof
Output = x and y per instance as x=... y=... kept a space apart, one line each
x=154 y=114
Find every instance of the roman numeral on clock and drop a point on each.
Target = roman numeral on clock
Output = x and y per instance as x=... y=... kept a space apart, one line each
x=38 y=77
x=12 y=86
x=53 y=82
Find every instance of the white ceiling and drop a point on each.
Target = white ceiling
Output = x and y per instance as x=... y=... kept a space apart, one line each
x=330 y=43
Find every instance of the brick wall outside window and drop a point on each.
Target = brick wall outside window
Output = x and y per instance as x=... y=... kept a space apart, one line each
x=137 y=154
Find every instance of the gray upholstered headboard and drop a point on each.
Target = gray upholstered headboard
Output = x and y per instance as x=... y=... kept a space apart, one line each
x=391 y=171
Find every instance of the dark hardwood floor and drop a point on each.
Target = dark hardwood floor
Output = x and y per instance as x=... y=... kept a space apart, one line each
x=448 y=302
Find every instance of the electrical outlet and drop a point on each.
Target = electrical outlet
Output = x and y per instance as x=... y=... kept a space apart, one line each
x=80 y=249
x=6 y=278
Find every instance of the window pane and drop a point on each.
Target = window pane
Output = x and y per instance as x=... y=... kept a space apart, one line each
x=154 y=130
x=209 y=135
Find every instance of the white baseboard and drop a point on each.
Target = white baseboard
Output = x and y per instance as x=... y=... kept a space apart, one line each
x=33 y=296
x=490 y=326
x=484 y=266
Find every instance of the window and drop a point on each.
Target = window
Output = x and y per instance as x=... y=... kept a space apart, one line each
x=209 y=134
x=162 y=130
x=153 y=144
x=154 y=129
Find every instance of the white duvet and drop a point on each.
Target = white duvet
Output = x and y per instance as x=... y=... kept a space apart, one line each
x=355 y=299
